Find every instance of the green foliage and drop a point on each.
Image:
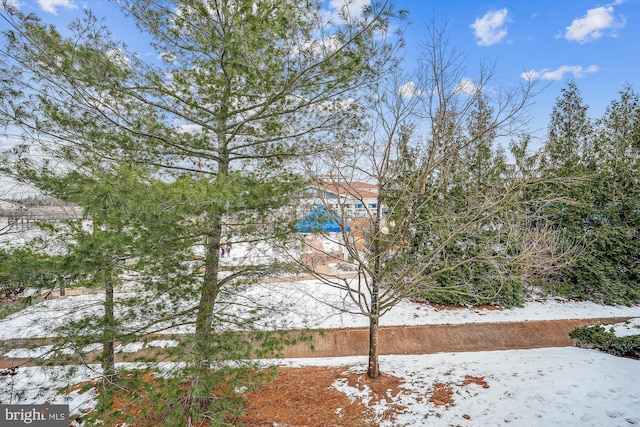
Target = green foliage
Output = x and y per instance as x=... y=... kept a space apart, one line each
x=27 y=268
x=149 y=398
x=24 y=267
x=193 y=150
x=602 y=212
x=609 y=271
x=599 y=338
x=570 y=130
x=464 y=230
x=469 y=287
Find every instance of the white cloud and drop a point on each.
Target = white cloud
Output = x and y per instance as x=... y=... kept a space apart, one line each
x=348 y=7
x=14 y=3
x=468 y=86
x=408 y=90
x=559 y=73
x=9 y=140
x=52 y=5
x=490 y=29
x=593 y=25
x=118 y=58
x=319 y=46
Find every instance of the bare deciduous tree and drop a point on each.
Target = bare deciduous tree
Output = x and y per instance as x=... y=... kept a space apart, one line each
x=431 y=217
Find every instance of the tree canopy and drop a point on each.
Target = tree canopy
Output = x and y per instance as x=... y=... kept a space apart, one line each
x=242 y=88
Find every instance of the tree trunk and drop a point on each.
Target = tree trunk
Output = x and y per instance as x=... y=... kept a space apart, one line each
x=200 y=390
x=108 y=334
x=373 y=369
x=208 y=295
x=374 y=316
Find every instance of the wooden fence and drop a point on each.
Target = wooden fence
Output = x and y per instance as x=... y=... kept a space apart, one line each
x=24 y=218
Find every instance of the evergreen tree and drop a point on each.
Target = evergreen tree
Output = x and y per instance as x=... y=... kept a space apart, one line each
x=123 y=235
x=600 y=210
x=481 y=174
x=569 y=140
x=568 y=155
x=243 y=87
x=480 y=158
x=615 y=245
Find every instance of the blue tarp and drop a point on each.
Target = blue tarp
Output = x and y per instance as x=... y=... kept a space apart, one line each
x=319 y=220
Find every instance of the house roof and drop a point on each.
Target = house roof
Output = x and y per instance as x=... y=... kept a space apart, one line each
x=358 y=190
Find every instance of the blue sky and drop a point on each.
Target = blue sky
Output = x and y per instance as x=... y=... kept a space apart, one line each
x=595 y=43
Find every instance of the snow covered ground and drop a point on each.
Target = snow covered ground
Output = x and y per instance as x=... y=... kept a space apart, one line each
x=539 y=387
x=307 y=303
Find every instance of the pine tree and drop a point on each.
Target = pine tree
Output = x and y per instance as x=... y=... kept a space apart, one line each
x=616 y=244
x=568 y=154
x=569 y=139
x=243 y=88
x=607 y=270
x=600 y=209
x=480 y=175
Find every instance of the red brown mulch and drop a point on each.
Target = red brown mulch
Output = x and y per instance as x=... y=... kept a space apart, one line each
x=468 y=379
x=295 y=397
x=305 y=397
x=301 y=397
x=442 y=394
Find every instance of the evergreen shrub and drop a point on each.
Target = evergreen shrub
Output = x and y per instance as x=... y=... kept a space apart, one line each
x=599 y=338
